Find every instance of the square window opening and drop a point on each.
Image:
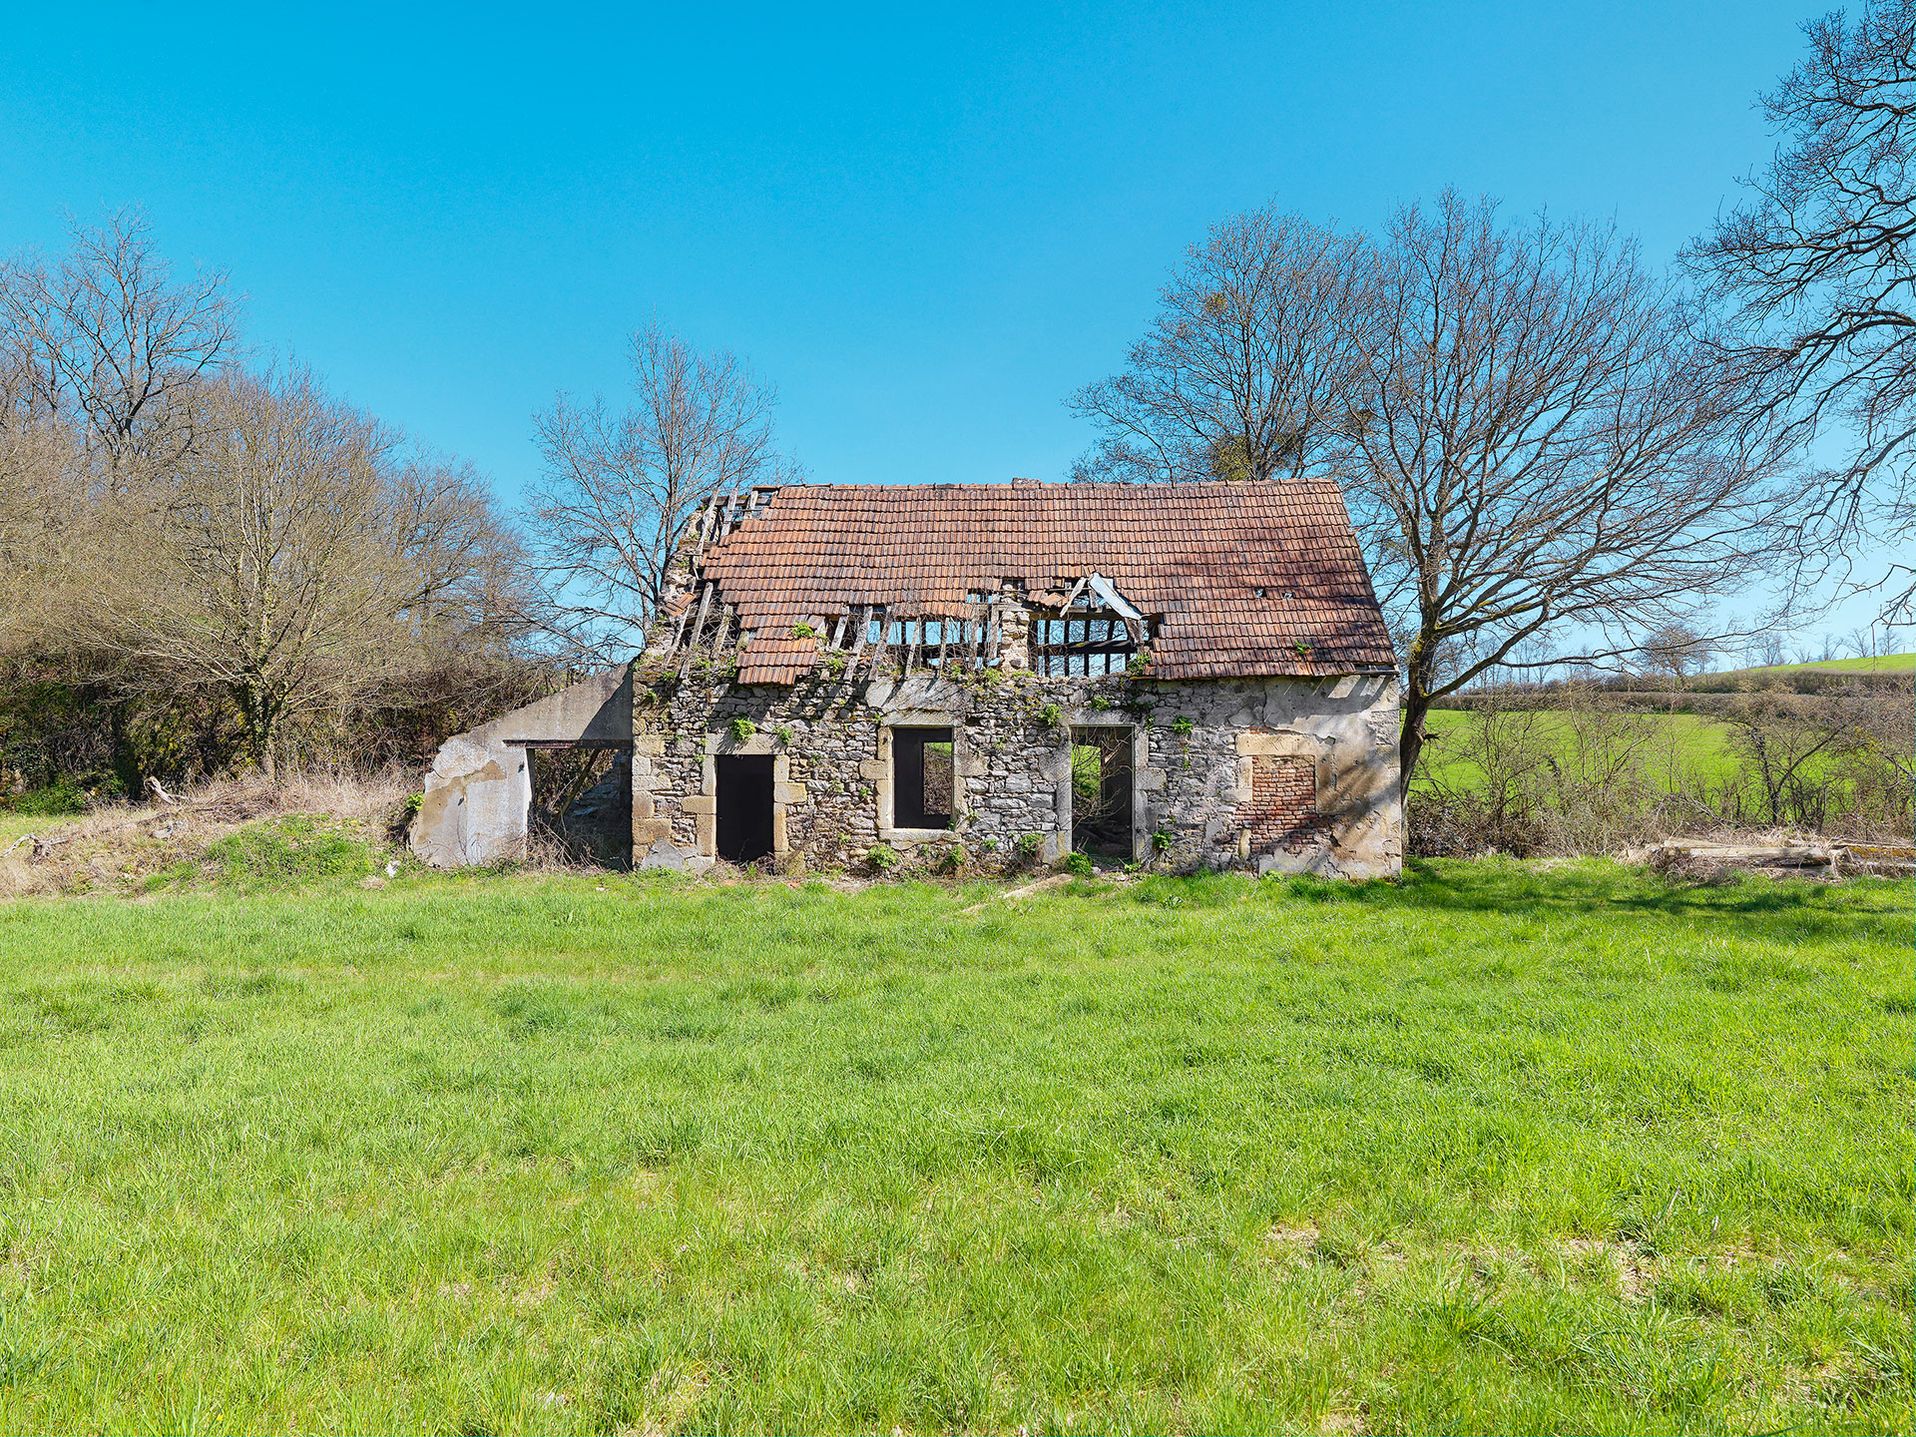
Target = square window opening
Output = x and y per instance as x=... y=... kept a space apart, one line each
x=923 y=777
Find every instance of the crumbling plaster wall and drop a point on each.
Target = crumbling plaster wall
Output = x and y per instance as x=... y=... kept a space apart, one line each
x=1195 y=744
x=479 y=788
x=1346 y=726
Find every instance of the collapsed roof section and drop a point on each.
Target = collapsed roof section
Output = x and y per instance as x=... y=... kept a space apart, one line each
x=1224 y=580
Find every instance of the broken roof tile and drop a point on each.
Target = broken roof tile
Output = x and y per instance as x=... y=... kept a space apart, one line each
x=1190 y=555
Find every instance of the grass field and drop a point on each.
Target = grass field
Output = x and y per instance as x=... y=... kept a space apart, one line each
x=1502 y=1148
x=1877 y=664
x=1684 y=747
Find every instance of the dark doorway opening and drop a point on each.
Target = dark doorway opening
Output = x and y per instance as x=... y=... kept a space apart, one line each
x=581 y=809
x=922 y=777
x=744 y=806
x=1101 y=792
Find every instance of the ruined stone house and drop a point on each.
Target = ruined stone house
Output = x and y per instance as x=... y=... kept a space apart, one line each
x=982 y=676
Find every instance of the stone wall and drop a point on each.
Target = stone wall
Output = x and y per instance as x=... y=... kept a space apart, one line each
x=1196 y=750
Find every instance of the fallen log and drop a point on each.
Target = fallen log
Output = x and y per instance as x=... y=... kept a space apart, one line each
x=1787 y=853
x=1811 y=857
x=1877 y=860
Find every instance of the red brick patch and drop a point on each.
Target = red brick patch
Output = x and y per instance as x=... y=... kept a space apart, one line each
x=1282 y=813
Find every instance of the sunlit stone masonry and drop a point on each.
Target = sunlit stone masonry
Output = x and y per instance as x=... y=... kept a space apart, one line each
x=985 y=677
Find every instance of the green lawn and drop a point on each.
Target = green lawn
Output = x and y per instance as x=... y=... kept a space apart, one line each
x=1683 y=747
x=1503 y=1148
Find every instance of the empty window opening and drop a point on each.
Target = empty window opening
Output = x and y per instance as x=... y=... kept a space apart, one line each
x=1101 y=791
x=744 y=806
x=581 y=807
x=1088 y=643
x=922 y=777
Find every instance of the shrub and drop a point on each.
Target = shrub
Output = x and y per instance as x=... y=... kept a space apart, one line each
x=288 y=852
x=1079 y=864
x=1162 y=840
x=953 y=860
x=1052 y=717
x=61 y=797
x=882 y=857
x=785 y=734
x=1030 y=844
x=743 y=728
x=1182 y=725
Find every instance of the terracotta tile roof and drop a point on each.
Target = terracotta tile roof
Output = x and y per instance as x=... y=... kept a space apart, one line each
x=1192 y=556
x=773 y=658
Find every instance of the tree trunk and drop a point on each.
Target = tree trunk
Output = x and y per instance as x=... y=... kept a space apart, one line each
x=126 y=763
x=259 y=716
x=1410 y=744
x=1418 y=665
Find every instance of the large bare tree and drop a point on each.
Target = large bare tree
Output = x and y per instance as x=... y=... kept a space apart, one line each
x=620 y=484
x=1817 y=269
x=1543 y=451
x=1245 y=371
x=1543 y=461
x=109 y=342
x=289 y=560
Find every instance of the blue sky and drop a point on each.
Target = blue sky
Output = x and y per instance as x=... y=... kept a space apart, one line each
x=926 y=226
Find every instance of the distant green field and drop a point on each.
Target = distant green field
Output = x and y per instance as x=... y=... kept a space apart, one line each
x=1499 y=1148
x=1682 y=748
x=1881 y=664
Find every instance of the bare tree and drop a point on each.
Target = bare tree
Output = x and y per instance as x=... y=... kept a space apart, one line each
x=44 y=525
x=1246 y=370
x=1818 y=270
x=1766 y=650
x=107 y=341
x=1786 y=746
x=1677 y=650
x=1866 y=641
x=619 y=486
x=288 y=560
x=1545 y=450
